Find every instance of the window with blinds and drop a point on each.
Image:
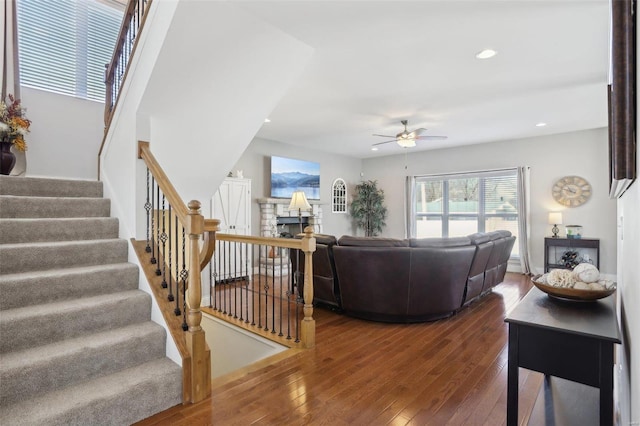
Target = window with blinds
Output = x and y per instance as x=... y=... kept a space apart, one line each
x=456 y=205
x=65 y=44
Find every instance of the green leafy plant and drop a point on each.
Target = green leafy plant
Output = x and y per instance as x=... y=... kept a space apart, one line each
x=368 y=209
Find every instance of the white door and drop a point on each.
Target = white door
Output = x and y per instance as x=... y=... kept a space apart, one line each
x=231 y=204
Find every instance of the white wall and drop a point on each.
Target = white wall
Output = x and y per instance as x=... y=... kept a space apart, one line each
x=206 y=102
x=233 y=347
x=65 y=136
x=628 y=355
x=582 y=153
x=255 y=162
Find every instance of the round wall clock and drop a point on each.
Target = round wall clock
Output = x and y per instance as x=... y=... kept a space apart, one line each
x=571 y=191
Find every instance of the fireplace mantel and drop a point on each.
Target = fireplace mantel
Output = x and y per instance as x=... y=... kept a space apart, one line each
x=272 y=208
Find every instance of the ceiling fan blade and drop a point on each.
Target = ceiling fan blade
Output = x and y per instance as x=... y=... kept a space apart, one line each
x=419 y=131
x=382 y=143
x=384 y=136
x=430 y=138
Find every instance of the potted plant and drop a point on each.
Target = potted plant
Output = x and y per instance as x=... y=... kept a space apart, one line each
x=367 y=208
x=14 y=125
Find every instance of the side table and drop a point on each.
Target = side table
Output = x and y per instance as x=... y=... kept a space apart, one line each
x=567 y=339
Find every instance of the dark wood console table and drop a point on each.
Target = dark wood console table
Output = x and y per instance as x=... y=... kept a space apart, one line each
x=587 y=244
x=570 y=340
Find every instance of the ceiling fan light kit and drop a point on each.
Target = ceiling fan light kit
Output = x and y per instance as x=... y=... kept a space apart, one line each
x=407 y=139
x=406 y=142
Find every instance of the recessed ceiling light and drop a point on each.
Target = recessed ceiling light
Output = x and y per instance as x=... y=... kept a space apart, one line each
x=374 y=148
x=266 y=120
x=486 y=54
x=541 y=124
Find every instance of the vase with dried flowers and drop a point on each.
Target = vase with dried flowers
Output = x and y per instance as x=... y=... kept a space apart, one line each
x=14 y=125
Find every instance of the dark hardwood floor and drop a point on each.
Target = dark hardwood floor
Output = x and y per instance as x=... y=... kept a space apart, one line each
x=448 y=372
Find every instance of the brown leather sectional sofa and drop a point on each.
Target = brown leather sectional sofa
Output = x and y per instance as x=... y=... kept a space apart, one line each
x=408 y=280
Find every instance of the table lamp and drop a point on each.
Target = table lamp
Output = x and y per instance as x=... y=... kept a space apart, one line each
x=555 y=219
x=299 y=202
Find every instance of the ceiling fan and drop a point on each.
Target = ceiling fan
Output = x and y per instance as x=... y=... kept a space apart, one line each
x=407 y=139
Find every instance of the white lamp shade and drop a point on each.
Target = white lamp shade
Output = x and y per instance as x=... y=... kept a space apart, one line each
x=299 y=201
x=555 y=218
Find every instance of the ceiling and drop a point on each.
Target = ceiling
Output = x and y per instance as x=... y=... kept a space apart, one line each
x=379 y=62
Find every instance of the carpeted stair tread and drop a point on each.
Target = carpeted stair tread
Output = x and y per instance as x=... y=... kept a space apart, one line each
x=32 y=230
x=55 y=255
x=37 y=287
x=77 y=346
x=32 y=372
x=122 y=398
x=29 y=207
x=31 y=326
x=45 y=187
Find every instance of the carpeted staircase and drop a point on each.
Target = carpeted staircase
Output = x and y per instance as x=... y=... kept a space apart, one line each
x=77 y=345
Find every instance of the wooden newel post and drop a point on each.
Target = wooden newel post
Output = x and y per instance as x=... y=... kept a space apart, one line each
x=195 y=338
x=308 y=326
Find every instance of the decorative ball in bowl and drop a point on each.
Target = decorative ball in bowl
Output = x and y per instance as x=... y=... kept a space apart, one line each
x=583 y=283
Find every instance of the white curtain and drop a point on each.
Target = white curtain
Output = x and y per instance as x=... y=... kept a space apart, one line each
x=10 y=71
x=524 y=218
x=409 y=202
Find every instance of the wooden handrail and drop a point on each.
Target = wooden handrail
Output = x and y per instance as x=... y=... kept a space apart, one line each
x=134 y=18
x=292 y=243
x=307 y=244
x=179 y=207
x=196 y=229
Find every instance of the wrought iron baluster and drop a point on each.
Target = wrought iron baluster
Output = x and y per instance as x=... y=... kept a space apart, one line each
x=273 y=295
x=147 y=207
x=299 y=300
x=153 y=243
x=258 y=297
x=281 y=298
x=184 y=275
x=243 y=282
x=158 y=271
x=211 y=288
x=230 y=278
x=163 y=238
x=225 y=274
x=170 y=295
x=289 y=293
x=177 y=310
x=247 y=250
x=216 y=275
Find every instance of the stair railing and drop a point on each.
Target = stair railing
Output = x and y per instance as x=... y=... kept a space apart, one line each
x=252 y=285
x=172 y=248
x=135 y=15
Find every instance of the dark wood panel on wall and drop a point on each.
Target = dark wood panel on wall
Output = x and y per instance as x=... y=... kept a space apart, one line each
x=622 y=98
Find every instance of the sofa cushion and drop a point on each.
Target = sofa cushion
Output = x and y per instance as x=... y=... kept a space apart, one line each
x=495 y=235
x=439 y=242
x=347 y=240
x=479 y=238
x=329 y=240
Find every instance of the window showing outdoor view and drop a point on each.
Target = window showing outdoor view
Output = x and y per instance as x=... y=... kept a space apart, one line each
x=455 y=206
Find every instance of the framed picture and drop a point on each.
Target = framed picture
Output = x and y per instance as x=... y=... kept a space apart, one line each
x=289 y=175
x=622 y=99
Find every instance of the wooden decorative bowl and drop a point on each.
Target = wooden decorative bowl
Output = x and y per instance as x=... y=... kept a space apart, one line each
x=572 y=293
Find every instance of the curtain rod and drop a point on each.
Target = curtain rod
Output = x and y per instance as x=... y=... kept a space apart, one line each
x=477 y=172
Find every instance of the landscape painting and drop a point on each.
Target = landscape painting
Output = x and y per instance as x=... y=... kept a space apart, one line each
x=289 y=175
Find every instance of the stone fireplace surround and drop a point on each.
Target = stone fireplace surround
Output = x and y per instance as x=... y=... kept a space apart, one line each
x=275 y=218
x=276 y=211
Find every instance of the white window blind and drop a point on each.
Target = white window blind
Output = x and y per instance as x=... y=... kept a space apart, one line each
x=65 y=44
